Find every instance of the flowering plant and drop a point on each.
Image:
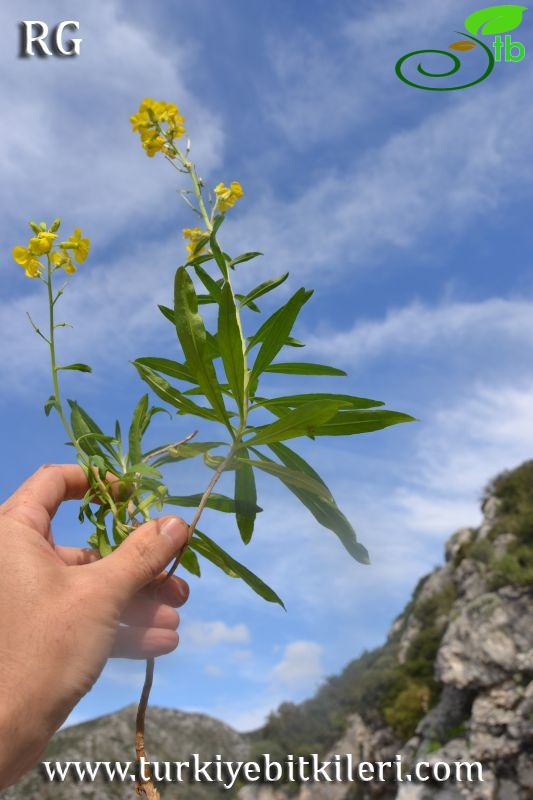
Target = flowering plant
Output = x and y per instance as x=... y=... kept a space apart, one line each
x=219 y=379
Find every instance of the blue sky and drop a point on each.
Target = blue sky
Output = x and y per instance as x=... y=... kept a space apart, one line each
x=409 y=214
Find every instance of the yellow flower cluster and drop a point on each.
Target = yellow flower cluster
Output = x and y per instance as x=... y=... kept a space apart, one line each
x=194 y=236
x=42 y=243
x=228 y=195
x=148 y=122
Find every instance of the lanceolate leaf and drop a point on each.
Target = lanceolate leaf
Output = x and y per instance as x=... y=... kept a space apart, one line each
x=290 y=477
x=294 y=461
x=231 y=344
x=494 y=19
x=286 y=314
x=349 y=422
x=87 y=432
x=189 y=561
x=172 y=396
x=276 y=330
x=323 y=509
x=304 y=368
x=137 y=429
x=218 y=255
x=192 y=336
x=303 y=421
x=77 y=367
x=243 y=258
x=168 y=367
x=213 y=552
x=139 y=423
x=174 y=453
x=245 y=499
x=297 y=400
x=218 y=502
x=212 y=286
x=263 y=288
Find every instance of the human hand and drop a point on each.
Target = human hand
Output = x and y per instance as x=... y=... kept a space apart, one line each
x=64 y=611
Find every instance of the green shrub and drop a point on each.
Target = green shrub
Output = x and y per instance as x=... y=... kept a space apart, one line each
x=408 y=709
x=514 y=568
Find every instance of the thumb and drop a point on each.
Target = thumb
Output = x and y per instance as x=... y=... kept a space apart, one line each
x=143 y=555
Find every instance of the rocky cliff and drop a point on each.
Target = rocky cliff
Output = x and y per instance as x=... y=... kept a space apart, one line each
x=453 y=682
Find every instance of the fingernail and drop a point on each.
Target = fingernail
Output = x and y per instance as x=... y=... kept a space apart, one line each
x=172 y=528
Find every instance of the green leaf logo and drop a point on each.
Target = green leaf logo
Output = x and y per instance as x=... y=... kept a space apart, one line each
x=495 y=19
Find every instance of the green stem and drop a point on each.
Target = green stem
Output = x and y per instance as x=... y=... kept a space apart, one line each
x=57 y=395
x=53 y=364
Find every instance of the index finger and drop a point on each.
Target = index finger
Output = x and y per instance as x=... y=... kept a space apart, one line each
x=39 y=497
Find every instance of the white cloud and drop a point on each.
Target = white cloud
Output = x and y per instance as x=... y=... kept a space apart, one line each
x=68 y=149
x=301 y=665
x=212 y=634
x=393 y=196
x=316 y=99
x=419 y=326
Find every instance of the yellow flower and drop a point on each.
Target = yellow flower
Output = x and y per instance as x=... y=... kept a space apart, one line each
x=152 y=142
x=42 y=243
x=78 y=244
x=24 y=257
x=64 y=261
x=194 y=235
x=148 y=122
x=227 y=196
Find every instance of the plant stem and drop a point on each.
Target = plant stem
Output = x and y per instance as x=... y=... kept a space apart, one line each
x=53 y=364
x=147 y=786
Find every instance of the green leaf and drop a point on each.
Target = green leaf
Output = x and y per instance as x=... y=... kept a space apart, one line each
x=303 y=421
x=142 y=468
x=212 y=286
x=245 y=499
x=50 y=404
x=243 y=258
x=189 y=561
x=172 y=396
x=212 y=346
x=216 y=555
x=231 y=344
x=304 y=368
x=167 y=312
x=323 y=509
x=346 y=423
x=87 y=432
x=275 y=331
x=289 y=477
x=218 y=502
x=294 y=461
x=168 y=367
x=142 y=415
x=77 y=367
x=214 y=462
x=495 y=19
x=297 y=400
x=251 y=305
x=180 y=452
x=263 y=288
x=192 y=335
x=194 y=262
x=137 y=429
x=218 y=255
